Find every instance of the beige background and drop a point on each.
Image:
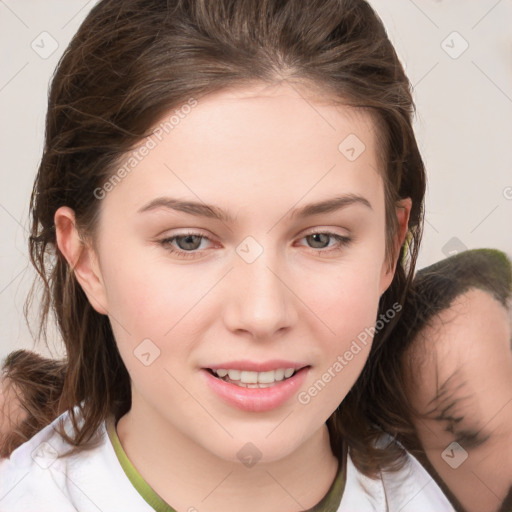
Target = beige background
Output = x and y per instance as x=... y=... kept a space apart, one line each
x=463 y=124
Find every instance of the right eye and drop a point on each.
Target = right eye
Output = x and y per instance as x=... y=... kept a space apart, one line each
x=184 y=239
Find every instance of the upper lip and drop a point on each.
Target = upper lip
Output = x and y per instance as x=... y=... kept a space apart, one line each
x=254 y=366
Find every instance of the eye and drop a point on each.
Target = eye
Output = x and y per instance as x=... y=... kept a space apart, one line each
x=319 y=238
x=188 y=243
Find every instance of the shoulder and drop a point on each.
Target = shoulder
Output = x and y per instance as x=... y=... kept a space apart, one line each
x=409 y=489
x=412 y=489
x=33 y=470
x=40 y=476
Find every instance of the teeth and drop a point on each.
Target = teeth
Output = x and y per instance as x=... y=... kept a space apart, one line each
x=271 y=376
x=234 y=374
x=254 y=378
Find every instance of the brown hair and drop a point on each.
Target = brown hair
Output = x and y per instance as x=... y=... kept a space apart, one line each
x=31 y=385
x=129 y=64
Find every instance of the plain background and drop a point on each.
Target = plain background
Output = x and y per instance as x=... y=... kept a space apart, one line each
x=457 y=54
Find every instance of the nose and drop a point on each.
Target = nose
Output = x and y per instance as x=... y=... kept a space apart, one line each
x=260 y=300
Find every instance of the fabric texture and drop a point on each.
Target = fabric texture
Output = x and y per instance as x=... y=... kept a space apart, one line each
x=34 y=478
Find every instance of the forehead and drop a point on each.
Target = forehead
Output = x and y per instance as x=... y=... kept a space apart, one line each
x=277 y=115
x=279 y=142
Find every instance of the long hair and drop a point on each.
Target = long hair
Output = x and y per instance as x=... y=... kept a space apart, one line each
x=134 y=61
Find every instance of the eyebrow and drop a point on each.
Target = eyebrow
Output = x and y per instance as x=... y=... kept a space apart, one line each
x=214 y=212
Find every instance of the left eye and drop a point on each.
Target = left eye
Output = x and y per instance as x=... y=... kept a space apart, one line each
x=342 y=240
x=187 y=246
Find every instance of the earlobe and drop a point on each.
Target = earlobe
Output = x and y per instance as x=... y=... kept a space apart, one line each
x=403 y=211
x=81 y=258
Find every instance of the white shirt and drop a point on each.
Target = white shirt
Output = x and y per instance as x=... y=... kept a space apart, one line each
x=33 y=479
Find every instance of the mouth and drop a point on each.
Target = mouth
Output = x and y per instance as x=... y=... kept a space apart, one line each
x=252 y=379
x=240 y=388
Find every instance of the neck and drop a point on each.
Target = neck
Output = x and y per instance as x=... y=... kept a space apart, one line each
x=185 y=474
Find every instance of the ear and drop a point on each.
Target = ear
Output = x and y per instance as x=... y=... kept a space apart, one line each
x=403 y=211
x=81 y=258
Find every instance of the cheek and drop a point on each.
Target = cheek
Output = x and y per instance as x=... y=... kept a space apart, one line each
x=163 y=302
x=346 y=313
x=346 y=295
x=350 y=285
x=148 y=313
x=351 y=315
x=145 y=293
x=343 y=337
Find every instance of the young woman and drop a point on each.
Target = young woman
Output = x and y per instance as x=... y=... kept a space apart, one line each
x=226 y=189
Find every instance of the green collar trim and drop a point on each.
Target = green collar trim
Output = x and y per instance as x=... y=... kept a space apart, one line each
x=141 y=486
x=329 y=503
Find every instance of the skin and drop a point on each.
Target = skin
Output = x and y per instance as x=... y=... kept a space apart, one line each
x=256 y=152
x=466 y=352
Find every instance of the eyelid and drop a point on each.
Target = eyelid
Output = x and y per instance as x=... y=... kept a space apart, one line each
x=323 y=229
x=307 y=232
x=342 y=241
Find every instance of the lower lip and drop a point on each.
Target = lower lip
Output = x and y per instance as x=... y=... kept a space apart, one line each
x=256 y=399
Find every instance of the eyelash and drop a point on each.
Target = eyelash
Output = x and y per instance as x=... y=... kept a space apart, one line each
x=343 y=241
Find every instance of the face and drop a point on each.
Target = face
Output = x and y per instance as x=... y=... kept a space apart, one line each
x=186 y=292
x=464 y=356
x=463 y=376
